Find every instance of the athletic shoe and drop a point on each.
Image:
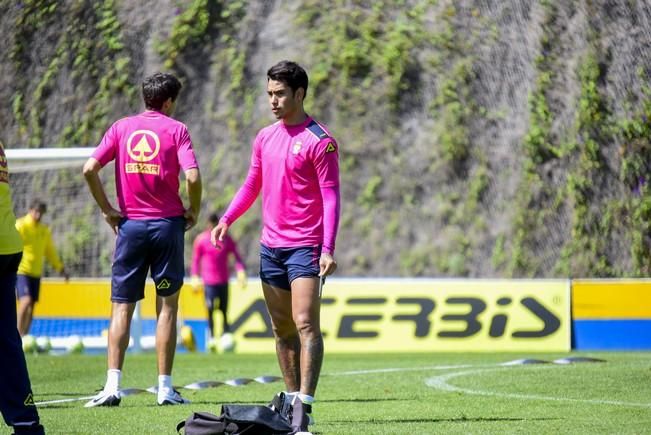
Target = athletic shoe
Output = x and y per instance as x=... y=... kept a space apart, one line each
x=299 y=416
x=28 y=428
x=282 y=404
x=104 y=398
x=170 y=397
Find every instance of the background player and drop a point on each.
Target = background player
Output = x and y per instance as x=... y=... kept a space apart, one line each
x=16 y=400
x=37 y=246
x=210 y=266
x=149 y=150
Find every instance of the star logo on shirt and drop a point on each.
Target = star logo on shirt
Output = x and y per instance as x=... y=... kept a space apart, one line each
x=143 y=145
x=297 y=147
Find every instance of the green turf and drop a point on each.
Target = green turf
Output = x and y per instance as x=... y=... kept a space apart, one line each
x=481 y=397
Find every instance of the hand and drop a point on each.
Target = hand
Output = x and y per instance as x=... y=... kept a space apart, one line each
x=195 y=282
x=113 y=218
x=327 y=264
x=190 y=218
x=242 y=280
x=217 y=235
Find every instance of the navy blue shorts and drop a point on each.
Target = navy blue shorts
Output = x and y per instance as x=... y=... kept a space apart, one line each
x=28 y=286
x=215 y=291
x=141 y=245
x=280 y=266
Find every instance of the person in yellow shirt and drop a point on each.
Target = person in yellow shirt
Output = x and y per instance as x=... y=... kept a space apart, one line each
x=38 y=246
x=16 y=399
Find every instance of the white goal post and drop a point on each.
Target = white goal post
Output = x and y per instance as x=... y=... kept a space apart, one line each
x=34 y=159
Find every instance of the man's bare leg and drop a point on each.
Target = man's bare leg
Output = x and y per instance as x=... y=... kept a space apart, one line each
x=25 y=314
x=306 y=314
x=166 y=314
x=118 y=334
x=279 y=304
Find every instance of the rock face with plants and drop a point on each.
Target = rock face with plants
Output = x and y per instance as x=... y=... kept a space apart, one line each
x=480 y=139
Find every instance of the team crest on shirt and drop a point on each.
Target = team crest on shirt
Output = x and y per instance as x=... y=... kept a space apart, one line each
x=331 y=148
x=297 y=147
x=143 y=146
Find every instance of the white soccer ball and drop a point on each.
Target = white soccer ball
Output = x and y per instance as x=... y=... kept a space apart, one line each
x=75 y=344
x=43 y=344
x=29 y=344
x=227 y=342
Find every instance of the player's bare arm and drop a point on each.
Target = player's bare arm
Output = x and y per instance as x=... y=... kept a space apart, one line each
x=91 y=174
x=193 y=186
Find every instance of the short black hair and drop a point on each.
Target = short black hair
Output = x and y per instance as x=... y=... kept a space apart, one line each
x=213 y=218
x=158 y=87
x=289 y=73
x=38 y=204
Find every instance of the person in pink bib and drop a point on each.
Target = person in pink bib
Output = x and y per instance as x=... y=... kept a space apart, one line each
x=149 y=149
x=210 y=267
x=295 y=165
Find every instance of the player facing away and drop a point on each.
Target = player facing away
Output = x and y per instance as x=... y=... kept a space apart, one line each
x=149 y=150
x=211 y=266
x=16 y=400
x=37 y=246
x=295 y=165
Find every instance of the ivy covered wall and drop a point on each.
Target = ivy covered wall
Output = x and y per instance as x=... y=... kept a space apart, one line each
x=509 y=139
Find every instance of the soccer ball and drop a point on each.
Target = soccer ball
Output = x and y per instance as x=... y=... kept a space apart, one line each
x=75 y=344
x=29 y=344
x=43 y=344
x=227 y=342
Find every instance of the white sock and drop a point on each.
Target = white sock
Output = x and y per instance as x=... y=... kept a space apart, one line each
x=308 y=400
x=164 y=382
x=113 y=378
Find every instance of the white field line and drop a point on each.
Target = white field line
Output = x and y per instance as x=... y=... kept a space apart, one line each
x=73 y=399
x=441 y=383
x=402 y=369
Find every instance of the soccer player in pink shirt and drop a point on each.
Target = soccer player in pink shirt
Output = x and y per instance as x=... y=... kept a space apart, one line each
x=149 y=150
x=210 y=266
x=295 y=165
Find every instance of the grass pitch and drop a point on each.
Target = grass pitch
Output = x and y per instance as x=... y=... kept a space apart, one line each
x=449 y=393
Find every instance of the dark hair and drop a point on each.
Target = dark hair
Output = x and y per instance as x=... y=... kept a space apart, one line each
x=157 y=88
x=37 y=204
x=213 y=218
x=290 y=73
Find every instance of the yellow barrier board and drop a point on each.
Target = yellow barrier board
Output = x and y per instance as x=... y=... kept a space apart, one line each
x=91 y=298
x=380 y=315
x=423 y=315
x=611 y=299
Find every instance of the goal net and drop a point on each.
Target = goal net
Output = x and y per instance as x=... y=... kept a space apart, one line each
x=78 y=310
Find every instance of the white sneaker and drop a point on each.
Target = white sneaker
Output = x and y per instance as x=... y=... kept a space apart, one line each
x=170 y=397
x=105 y=398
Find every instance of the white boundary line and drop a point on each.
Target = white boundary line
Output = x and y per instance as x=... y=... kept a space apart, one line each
x=52 y=402
x=441 y=383
x=402 y=369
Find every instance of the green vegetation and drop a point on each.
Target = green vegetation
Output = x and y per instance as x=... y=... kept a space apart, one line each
x=402 y=86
